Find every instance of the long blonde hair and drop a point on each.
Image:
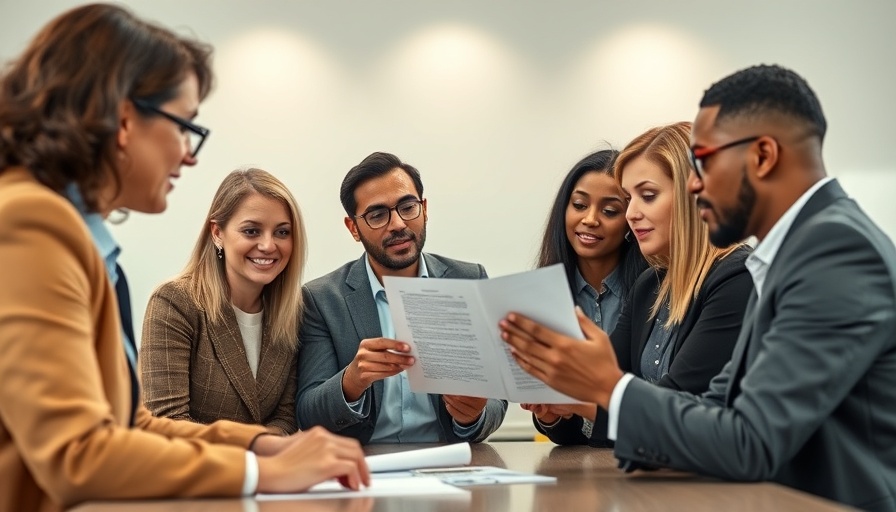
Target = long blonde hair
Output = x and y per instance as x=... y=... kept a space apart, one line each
x=208 y=287
x=690 y=253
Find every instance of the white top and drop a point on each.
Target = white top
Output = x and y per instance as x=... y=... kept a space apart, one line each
x=250 y=329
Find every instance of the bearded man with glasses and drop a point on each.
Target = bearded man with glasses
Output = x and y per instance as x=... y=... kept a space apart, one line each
x=351 y=374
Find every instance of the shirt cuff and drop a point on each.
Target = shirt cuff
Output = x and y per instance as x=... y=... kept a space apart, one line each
x=470 y=430
x=358 y=406
x=548 y=425
x=615 y=404
x=250 y=481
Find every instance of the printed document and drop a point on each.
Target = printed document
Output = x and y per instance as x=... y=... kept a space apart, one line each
x=451 y=326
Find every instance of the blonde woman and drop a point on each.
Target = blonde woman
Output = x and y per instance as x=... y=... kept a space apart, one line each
x=220 y=340
x=683 y=315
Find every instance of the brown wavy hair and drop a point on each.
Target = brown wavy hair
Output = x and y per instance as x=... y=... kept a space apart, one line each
x=60 y=100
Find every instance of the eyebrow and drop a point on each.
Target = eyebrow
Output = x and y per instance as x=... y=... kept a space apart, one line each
x=600 y=198
x=252 y=222
x=400 y=200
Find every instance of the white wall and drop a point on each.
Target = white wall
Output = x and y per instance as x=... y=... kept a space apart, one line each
x=492 y=101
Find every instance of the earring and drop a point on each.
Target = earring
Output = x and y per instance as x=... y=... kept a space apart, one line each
x=628 y=236
x=220 y=251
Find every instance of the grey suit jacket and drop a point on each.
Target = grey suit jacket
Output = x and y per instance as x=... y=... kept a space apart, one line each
x=809 y=397
x=339 y=313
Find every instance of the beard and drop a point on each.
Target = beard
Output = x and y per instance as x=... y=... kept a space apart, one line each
x=733 y=222
x=379 y=254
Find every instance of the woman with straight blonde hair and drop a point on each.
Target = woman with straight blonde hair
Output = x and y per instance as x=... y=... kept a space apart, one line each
x=682 y=317
x=220 y=340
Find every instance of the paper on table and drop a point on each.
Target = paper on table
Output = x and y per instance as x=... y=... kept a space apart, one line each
x=451 y=326
x=484 y=475
x=407 y=486
x=448 y=455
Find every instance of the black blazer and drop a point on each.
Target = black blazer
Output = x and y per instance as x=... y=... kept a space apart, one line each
x=703 y=345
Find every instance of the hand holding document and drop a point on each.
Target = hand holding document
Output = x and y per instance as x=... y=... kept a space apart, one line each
x=452 y=328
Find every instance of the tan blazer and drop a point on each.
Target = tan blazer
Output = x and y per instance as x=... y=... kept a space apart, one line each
x=195 y=368
x=64 y=384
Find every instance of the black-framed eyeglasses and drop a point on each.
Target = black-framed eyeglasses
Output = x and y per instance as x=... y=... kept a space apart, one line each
x=196 y=133
x=697 y=155
x=381 y=216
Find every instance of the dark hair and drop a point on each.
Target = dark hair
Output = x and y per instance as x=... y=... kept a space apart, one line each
x=555 y=246
x=765 y=89
x=375 y=165
x=60 y=100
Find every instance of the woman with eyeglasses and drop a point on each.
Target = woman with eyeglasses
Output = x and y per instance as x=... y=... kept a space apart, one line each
x=94 y=118
x=220 y=340
x=680 y=321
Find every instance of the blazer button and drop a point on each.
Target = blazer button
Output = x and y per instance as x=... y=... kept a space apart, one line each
x=640 y=451
x=340 y=422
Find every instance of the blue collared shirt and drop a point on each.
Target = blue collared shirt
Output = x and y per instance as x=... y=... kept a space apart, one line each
x=405 y=416
x=602 y=307
x=107 y=247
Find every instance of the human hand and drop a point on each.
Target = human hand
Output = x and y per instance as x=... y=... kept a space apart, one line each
x=270 y=444
x=377 y=358
x=543 y=413
x=583 y=369
x=464 y=409
x=311 y=457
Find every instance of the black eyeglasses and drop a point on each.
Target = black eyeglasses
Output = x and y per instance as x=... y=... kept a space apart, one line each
x=697 y=155
x=196 y=133
x=381 y=216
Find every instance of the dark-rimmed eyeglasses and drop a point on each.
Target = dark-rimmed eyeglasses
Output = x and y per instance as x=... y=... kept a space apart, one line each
x=698 y=154
x=196 y=133
x=381 y=216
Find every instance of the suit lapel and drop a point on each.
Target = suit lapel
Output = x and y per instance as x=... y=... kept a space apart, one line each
x=270 y=365
x=744 y=352
x=226 y=339
x=362 y=310
x=434 y=267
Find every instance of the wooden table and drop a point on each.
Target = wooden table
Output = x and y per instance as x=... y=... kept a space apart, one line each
x=587 y=481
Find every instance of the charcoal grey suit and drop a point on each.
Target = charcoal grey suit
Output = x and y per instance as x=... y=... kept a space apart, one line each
x=809 y=397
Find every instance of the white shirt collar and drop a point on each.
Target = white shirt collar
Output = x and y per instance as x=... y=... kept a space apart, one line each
x=761 y=259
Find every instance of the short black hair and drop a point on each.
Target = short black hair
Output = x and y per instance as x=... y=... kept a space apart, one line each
x=766 y=89
x=375 y=165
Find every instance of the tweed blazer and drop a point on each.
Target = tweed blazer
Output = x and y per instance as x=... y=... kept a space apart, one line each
x=195 y=367
x=703 y=345
x=339 y=313
x=65 y=398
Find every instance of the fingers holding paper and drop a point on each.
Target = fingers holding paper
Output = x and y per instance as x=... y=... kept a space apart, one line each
x=583 y=369
x=464 y=409
x=542 y=412
x=376 y=359
x=311 y=457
